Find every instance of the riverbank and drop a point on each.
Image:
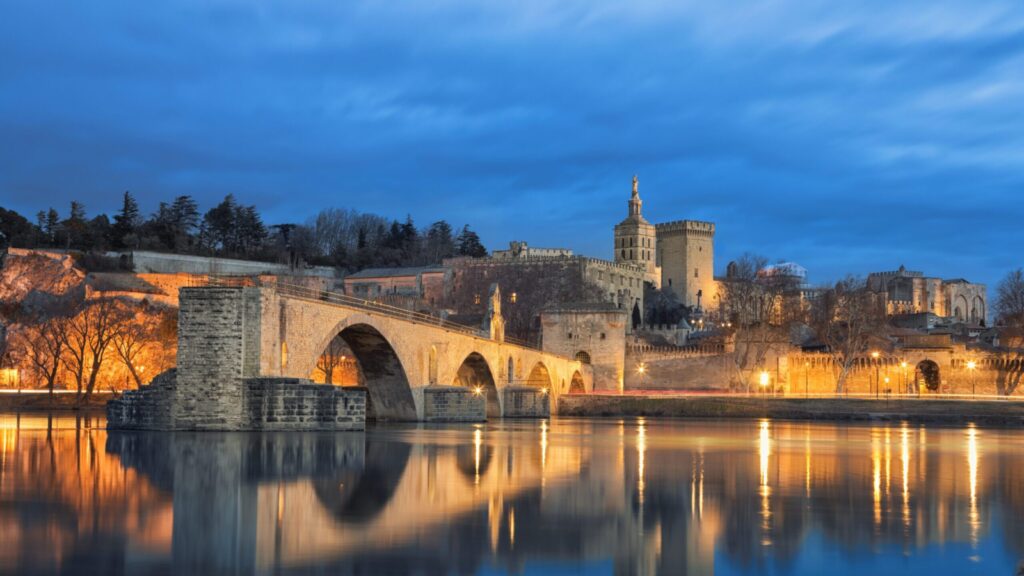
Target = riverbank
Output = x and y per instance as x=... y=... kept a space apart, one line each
x=993 y=412
x=32 y=401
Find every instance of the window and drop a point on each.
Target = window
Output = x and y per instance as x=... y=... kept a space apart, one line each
x=602 y=335
x=513 y=298
x=696 y=273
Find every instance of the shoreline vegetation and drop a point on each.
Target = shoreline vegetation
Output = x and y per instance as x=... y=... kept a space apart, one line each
x=926 y=411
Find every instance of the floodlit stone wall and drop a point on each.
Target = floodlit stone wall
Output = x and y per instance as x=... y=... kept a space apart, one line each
x=526 y=402
x=296 y=404
x=453 y=404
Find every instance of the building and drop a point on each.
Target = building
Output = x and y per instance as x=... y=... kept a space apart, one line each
x=636 y=240
x=677 y=255
x=520 y=249
x=427 y=284
x=911 y=292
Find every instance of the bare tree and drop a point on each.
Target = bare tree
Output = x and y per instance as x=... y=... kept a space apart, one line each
x=1009 y=353
x=846 y=318
x=106 y=321
x=75 y=333
x=332 y=358
x=756 y=316
x=43 y=344
x=134 y=333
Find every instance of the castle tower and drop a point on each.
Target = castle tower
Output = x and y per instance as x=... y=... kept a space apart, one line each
x=686 y=255
x=635 y=239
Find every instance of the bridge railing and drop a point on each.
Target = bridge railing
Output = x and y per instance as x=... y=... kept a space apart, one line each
x=340 y=299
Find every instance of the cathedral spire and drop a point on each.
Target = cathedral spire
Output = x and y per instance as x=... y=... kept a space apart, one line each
x=634 y=201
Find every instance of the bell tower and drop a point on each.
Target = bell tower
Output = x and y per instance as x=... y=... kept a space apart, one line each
x=636 y=240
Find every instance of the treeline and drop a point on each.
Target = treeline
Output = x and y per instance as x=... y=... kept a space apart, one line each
x=342 y=238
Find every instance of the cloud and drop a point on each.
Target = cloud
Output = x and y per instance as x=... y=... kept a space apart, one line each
x=848 y=137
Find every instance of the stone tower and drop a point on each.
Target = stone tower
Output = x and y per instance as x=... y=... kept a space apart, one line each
x=686 y=255
x=635 y=239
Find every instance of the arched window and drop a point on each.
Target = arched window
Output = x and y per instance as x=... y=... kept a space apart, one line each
x=583 y=356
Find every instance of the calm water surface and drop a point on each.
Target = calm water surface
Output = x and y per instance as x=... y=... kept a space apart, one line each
x=528 y=497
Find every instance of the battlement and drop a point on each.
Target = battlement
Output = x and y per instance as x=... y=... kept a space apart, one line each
x=686 y=227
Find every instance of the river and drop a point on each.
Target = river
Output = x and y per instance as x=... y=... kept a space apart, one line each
x=552 y=497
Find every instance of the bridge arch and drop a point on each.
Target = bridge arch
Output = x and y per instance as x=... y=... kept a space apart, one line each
x=475 y=373
x=927 y=375
x=577 y=386
x=387 y=382
x=539 y=376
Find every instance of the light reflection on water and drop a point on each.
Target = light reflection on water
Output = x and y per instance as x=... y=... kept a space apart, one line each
x=558 y=497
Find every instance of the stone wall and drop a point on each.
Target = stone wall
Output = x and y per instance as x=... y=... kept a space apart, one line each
x=526 y=402
x=208 y=393
x=296 y=404
x=706 y=372
x=594 y=334
x=453 y=404
x=148 y=408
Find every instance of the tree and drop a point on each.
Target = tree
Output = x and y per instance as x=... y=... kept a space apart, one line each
x=332 y=358
x=43 y=343
x=468 y=243
x=1009 y=353
x=105 y=321
x=847 y=318
x=439 y=242
x=753 y=304
x=125 y=223
x=134 y=333
x=219 y=226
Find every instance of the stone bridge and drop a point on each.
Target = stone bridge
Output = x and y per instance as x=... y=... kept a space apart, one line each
x=245 y=356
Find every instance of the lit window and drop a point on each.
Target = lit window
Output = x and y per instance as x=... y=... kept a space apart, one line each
x=513 y=298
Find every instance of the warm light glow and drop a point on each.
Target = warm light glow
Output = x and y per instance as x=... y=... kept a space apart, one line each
x=478 y=390
x=641 y=452
x=764 y=451
x=543 y=390
x=478 y=440
x=971 y=365
x=903 y=364
x=875 y=355
x=765 y=378
x=641 y=368
x=973 y=516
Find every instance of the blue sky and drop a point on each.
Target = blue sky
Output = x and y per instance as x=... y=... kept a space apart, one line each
x=846 y=136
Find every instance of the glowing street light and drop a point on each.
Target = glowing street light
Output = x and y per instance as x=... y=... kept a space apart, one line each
x=544 y=391
x=972 y=365
x=478 y=390
x=764 y=379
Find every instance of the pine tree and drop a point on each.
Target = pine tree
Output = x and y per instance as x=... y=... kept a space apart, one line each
x=469 y=244
x=126 y=223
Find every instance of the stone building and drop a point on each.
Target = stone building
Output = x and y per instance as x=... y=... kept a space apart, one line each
x=620 y=284
x=520 y=249
x=428 y=284
x=911 y=292
x=594 y=334
x=678 y=255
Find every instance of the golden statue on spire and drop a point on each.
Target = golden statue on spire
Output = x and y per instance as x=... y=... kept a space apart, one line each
x=636 y=183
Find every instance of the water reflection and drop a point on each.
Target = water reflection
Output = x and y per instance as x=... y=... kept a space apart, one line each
x=569 y=496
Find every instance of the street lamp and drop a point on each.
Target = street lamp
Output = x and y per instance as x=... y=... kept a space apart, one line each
x=903 y=376
x=765 y=378
x=875 y=356
x=972 y=365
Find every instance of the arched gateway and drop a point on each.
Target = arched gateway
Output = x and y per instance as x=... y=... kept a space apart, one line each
x=245 y=356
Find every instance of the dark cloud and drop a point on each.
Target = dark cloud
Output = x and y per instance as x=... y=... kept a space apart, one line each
x=846 y=138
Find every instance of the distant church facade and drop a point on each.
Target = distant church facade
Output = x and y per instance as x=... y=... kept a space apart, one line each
x=678 y=255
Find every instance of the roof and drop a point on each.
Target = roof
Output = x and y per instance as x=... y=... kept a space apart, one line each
x=395 y=272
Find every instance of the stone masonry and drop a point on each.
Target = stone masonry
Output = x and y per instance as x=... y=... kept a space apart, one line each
x=453 y=404
x=217 y=385
x=527 y=402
